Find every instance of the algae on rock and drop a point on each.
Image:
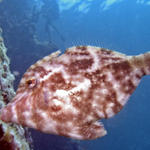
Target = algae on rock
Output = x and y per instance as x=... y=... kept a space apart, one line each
x=12 y=137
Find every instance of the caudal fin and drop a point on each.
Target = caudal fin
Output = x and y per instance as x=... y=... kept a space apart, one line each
x=141 y=62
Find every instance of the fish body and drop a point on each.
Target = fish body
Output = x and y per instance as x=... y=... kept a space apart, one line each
x=67 y=94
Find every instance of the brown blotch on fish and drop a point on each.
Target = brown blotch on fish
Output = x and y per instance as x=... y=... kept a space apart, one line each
x=55 y=108
x=78 y=65
x=105 y=51
x=62 y=117
x=138 y=76
x=41 y=70
x=112 y=97
x=82 y=47
x=57 y=81
x=124 y=67
x=78 y=53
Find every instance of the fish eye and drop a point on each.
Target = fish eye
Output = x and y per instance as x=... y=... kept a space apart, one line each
x=31 y=83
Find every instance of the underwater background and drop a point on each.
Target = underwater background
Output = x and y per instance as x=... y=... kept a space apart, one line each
x=33 y=29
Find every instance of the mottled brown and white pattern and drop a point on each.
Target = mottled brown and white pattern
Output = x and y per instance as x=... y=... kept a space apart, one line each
x=68 y=94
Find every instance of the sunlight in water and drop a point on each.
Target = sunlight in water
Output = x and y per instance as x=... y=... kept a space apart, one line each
x=84 y=6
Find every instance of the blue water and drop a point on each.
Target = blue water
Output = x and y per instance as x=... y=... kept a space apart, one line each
x=121 y=25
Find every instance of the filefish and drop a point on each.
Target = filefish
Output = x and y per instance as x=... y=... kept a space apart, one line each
x=68 y=94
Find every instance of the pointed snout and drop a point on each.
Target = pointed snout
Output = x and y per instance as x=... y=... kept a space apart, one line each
x=6 y=114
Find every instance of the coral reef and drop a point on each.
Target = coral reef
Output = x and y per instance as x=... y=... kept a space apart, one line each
x=12 y=137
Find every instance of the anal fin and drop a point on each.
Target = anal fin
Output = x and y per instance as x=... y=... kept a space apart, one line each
x=88 y=131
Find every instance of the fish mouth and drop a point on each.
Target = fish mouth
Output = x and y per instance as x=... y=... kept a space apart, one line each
x=8 y=113
x=5 y=114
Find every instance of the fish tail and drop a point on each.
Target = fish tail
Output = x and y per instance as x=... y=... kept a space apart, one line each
x=141 y=62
